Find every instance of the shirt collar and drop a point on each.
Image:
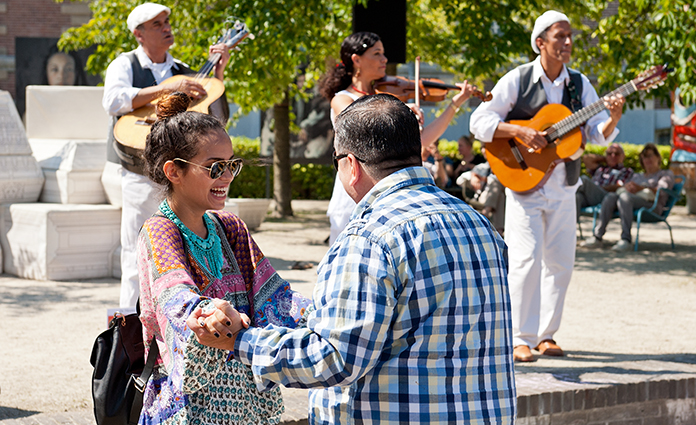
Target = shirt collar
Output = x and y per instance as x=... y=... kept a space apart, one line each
x=393 y=182
x=146 y=62
x=538 y=72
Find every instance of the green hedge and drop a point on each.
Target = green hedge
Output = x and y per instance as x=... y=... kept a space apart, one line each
x=310 y=181
x=313 y=181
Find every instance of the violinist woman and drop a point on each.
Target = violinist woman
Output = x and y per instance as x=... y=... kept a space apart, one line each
x=194 y=261
x=362 y=63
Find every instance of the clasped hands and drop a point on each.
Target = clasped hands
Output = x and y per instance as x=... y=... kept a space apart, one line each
x=216 y=325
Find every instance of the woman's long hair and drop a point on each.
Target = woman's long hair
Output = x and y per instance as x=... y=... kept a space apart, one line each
x=340 y=77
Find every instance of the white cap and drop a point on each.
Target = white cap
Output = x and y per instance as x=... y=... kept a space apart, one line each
x=144 y=13
x=544 y=21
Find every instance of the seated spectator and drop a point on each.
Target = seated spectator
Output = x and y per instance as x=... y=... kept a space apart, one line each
x=488 y=194
x=604 y=178
x=638 y=192
x=434 y=162
x=465 y=144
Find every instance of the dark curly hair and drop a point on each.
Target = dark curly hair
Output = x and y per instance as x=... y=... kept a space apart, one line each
x=175 y=134
x=340 y=76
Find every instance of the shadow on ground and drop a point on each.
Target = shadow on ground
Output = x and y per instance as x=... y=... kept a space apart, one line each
x=652 y=258
x=12 y=413
x=42 y=295
x=582 y=366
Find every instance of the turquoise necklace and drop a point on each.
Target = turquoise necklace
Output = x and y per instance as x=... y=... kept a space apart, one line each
x=207 y=252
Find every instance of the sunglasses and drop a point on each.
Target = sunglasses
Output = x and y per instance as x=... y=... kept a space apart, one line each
x=217 y=168
x=614 y=153
x=337 y=158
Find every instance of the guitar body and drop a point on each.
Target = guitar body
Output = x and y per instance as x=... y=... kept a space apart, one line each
x=131 y=130
x=534 y=169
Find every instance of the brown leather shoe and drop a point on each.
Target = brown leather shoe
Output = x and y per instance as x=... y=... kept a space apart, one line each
x=522 y=353
x=548 y=347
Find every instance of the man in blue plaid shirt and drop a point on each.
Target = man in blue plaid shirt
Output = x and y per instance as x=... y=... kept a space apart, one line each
x=412 y=314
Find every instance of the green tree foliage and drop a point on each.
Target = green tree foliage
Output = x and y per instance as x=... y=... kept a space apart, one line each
x=642 y=34
x=261 y=74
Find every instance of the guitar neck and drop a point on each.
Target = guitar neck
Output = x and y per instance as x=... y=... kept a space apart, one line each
x=568 y=124
x=208 y=66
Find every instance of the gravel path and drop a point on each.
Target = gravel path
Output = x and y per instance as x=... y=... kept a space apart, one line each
x=620 y=308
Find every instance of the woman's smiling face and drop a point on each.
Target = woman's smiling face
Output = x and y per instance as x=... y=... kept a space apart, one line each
x=197 y=191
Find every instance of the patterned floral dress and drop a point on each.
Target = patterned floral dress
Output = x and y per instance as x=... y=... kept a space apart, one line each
x=192 y=383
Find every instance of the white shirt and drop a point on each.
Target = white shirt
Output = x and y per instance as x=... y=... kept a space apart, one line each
x=485 y=119
x=118 y=83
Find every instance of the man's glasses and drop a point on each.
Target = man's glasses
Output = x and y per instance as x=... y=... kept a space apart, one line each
x=217 y=168
x=337 y=158
x=613 y=153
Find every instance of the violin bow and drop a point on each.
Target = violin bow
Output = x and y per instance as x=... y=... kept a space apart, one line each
x=418 y=82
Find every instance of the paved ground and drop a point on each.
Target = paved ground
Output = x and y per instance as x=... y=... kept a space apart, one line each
x=628 y=317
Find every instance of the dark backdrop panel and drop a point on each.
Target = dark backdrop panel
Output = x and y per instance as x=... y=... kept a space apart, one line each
x=31 y=56
x=386 y=18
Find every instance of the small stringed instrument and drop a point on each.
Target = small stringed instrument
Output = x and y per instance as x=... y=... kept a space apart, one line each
x=430 y=89
x=523 y=171
x=131 y=130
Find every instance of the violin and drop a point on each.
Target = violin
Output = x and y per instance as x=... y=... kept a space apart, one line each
x=431 y=89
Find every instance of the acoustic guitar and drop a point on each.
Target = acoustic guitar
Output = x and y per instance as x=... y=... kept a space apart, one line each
x=523 y=171
x=131 y=130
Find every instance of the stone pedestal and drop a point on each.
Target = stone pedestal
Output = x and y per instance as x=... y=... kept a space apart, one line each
x=251 y=211
x=21 y=178
x=111 y=181
x=67 y=130
x=59 y=242
x=72 y=169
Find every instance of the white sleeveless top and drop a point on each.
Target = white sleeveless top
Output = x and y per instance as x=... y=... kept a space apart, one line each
x=341 y=205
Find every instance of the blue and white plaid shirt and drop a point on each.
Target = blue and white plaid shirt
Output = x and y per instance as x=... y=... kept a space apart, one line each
x=412 y=321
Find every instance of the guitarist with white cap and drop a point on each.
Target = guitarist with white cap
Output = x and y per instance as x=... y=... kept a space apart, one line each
x=133 y=80
x=540 y=225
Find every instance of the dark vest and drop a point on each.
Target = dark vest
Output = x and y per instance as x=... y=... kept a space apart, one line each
x=531 y=98
x=142 y=78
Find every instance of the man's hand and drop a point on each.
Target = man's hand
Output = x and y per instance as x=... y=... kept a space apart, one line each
x=614 y=105
x=534 y=140
x=186 y=85
x=224 y=52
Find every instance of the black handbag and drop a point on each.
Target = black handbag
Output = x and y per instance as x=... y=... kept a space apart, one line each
x=120 y=372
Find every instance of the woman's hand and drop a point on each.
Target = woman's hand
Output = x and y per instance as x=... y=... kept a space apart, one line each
x=217 y=324
x=633 y=187
x=465 y=90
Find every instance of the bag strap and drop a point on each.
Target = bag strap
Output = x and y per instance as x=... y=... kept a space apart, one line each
x=575 y=102
x=141 y=380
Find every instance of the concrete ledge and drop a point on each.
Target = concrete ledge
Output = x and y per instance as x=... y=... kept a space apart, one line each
x=59 y=241
x=252 y=211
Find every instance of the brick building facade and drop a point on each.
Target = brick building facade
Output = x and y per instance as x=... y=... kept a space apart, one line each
x=33 y=18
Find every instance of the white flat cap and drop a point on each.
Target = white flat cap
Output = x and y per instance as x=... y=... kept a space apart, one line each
x=544 y=21
x=144 y=13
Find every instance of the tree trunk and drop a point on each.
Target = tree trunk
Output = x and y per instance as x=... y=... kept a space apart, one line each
x=282 y=192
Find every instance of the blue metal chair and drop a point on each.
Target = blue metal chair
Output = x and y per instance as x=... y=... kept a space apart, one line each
x=645 y=214
x=648 y=215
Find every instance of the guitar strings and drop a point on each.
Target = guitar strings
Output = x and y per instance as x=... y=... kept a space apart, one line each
x=569 y=123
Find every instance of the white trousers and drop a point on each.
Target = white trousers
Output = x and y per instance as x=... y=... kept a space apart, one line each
x=141 y=198
x=540 y=234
